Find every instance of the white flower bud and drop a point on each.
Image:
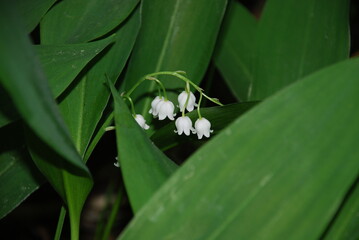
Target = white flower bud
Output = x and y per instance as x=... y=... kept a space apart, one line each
x=154 y=103
x=203 y=127
x=165 y=109
x=141 y=121
x=184 y=124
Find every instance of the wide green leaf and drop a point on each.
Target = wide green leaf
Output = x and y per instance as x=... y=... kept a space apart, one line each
x=82 y=107
x=295 y=38
x=280 y=171
x=32 y=11
x=62 y=63
x=144 y=167
x=235 y=49
x=23 y=79
x=19 y=176
x=220 y=117
x=174 y=35
x=345 y=224
x=80 y=21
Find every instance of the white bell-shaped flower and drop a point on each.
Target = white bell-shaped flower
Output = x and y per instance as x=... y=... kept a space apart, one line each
x=165 y=109
x=184 y=124
x=203 y=127
x=141 y=121
x=154 y=103
x=182 y=98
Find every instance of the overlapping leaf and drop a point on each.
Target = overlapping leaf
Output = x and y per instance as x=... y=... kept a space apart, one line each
x=296 y=38
x=276 y=173
x=79 y=21
x=235 y=49
x=175 y=35
x=144 y=167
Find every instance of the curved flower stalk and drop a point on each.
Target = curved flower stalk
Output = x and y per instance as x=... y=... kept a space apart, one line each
x=162 y=108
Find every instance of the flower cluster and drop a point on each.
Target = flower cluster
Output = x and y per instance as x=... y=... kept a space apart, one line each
x=163 y=108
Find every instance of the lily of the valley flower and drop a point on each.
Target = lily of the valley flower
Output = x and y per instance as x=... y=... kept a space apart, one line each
x=141 y=121
x=203 y=127
x=165 y=109
x=154 y=103
x=184 y=124
x=182 y=98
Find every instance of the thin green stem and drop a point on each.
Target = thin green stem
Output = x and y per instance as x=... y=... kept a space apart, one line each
x=199 y=105
x=160 y=84
x=132 y=106
x=60 y=223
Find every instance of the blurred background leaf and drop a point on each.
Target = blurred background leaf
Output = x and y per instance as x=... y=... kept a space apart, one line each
x=235 y=49
x=296 y=38
x=277 y=172
x=19 y=176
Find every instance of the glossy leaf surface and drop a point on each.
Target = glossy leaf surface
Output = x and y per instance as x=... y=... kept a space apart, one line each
x=277 y=172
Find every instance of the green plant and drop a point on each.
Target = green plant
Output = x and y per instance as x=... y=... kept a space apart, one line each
x=283 y=163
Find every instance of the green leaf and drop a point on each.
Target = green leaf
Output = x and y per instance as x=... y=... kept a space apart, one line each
x=174 y=35
x=71 y=184
x=345 y=224
x=277 y=172
x=296 y=38
x=80 y=21
x=83 y=107
x=52 y=149
x=23 y=79
x=220 y=117
x=144 y=167
x=235 y=49
x=62 y=63
x=19 y=176
x=32 y=11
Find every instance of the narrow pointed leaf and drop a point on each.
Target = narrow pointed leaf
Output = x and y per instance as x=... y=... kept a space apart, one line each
x=235 y=49
x=144 y=167
x=80 y=21
x=174 y=35
x=83 y=106
x=277 y=172
x=23 y=79
x=296 y=38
